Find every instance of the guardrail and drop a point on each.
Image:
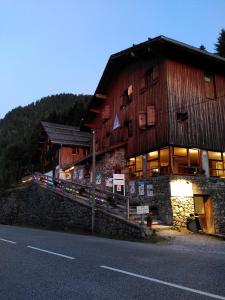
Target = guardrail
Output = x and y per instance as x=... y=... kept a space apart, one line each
x=112 y=202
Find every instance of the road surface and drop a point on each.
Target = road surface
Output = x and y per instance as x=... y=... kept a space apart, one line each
x=39 y=264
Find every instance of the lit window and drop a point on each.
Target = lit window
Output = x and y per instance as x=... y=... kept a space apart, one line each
x=153 y=155
x=214 y=155
x=135 y=167
x=185 y=161
x=180 y=151
x=216 y=164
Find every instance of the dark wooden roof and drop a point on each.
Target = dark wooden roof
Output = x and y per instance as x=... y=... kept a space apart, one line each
x=164 y=47
x=66 y=135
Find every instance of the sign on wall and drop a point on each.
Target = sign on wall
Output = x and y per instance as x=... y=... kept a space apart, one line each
x=109 y=181
x=132 y=187
x=98 y=178
x=141 y=188
x=119 y=182
x=81 y=174
x=149 y=189
x=141 y=210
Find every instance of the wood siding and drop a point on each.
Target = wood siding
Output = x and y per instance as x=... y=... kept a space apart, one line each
x=67 y=158
x=204 y=127
x=138 y=140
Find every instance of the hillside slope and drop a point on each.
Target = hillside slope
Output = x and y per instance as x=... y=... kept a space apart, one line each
x=18 y=140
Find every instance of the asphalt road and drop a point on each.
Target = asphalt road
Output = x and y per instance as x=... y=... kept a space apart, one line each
x=38 y=264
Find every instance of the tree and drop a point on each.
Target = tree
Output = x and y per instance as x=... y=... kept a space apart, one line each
x=202 y=47
x=220 y=45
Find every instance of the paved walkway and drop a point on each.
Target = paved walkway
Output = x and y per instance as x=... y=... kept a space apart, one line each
x=189 y=241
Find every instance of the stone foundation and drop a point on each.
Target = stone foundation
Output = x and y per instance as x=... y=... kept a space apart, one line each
x=182 y=208
x=35 y=206
x=171 y=210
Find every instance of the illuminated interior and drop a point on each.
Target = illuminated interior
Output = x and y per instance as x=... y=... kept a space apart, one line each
x=216 y=163
x=176 y=160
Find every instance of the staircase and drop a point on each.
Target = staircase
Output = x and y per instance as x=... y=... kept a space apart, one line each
x=113 y=203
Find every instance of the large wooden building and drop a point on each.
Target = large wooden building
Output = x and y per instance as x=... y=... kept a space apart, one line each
x=159 y=110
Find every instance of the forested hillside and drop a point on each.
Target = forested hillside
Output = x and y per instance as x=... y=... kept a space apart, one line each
x=18 y=138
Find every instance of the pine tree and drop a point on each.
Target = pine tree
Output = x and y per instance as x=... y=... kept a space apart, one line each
x=202 y=47
x=220 y=45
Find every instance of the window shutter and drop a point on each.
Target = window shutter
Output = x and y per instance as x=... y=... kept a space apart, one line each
x=151 y=115
x=106 y=112
x=142 y=120
x=209 y=85
x=209 y=90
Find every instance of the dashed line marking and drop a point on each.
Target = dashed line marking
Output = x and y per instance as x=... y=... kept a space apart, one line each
x=181 y=287
x=50 y=252
x=7 y=241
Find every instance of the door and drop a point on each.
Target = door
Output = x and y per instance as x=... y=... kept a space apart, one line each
x=204 y=209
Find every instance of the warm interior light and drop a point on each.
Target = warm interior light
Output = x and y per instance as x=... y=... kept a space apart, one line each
x=153 y=155
x=181 y=188
x=132 y=159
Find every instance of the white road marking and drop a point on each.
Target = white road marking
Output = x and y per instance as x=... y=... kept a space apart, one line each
x=7 y=241
x=166 y=283
x=50 y=252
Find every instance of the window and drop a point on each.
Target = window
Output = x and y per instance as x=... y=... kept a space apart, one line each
x=186 y=161
x=216 y=163
x=210 y=87
x=199 y=205
x=75 y=151
x=182 y=116
x=158 y=162
x=127 y=96
x=135 y=167
x=150 y=78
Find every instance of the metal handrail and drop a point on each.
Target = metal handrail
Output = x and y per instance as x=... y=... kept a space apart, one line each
x=112 y=202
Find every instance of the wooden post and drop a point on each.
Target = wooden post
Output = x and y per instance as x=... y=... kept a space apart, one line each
x=128 y=207
x=93 y=182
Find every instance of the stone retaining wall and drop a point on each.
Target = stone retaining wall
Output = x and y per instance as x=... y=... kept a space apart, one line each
x=35 y=206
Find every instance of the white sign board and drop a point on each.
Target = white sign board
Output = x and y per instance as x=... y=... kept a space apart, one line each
x=141 y=210
x=119 y=181
x=181 y=188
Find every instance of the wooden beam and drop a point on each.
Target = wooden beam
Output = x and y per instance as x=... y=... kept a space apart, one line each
x=89 y=125
x=100 y=96
x=95 y=110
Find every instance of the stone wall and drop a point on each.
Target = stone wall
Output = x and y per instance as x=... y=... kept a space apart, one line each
x=158 y=196
x=35 y=206
x=105 y=165
x=182 y=208
x=203 y=186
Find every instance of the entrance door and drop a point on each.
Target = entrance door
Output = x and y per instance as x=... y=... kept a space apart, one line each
x=204 y=209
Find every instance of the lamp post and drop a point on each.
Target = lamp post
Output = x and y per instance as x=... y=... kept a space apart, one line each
x=93 y=182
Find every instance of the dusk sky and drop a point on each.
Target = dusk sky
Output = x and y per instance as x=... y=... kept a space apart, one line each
x=62 y=46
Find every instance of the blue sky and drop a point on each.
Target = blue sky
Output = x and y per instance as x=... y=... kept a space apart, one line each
x=54 y=46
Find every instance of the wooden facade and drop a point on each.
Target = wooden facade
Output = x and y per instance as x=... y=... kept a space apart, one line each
x=161 y=94
x=202 y=98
